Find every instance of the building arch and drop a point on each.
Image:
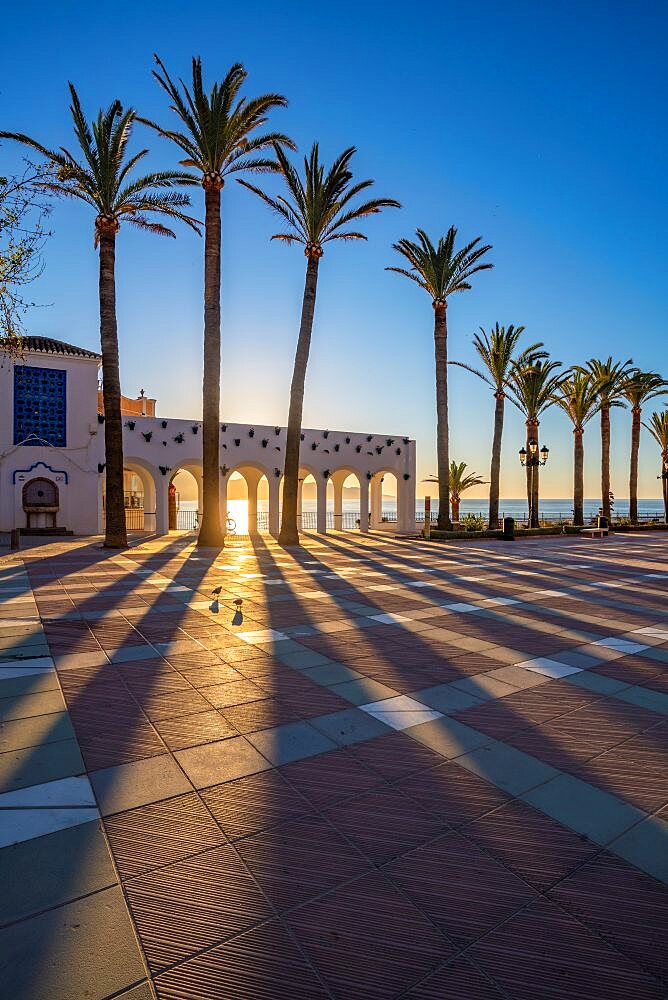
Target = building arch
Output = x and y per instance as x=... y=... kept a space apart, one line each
x=148 y=500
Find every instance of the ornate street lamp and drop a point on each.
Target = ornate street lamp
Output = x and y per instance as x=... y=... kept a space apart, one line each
x=531 y=459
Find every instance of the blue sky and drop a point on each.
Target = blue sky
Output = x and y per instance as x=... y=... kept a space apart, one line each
x=540 y=128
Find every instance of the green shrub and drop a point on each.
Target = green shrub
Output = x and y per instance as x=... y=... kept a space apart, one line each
x=472 y=522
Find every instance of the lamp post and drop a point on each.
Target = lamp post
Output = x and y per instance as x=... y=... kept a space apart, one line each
x=664 y=478
x=531 y=459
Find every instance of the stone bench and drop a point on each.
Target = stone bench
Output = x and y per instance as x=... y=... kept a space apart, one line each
x=594 y=532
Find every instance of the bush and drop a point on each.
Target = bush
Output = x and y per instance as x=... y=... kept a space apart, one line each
x=472 y=522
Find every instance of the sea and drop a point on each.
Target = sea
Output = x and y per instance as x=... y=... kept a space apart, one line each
x=549 y=510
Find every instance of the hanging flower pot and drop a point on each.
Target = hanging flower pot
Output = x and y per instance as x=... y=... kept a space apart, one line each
x=398 y=451
x=251 y=433
x=147 y=435
x=390 y=442
x=336 y=447
x=358 y=448
x=347 y=440
x=277 y=473
x=164 y=423
x=179 y=439
x=131 y=424
x=164 y=469
x=301 y=437
x=314 y=445
x=194 y=428
x=237 y=441
x=369 y=437
x=100 y=418
x=369 y=475
x=407 y=440
x=379 y=449
x=325 y=434
x=325 y=474
x=224 y=470
x=277 y=431
x=223 y=427
x=406 y=476
x=101 y=466
x=265 y=442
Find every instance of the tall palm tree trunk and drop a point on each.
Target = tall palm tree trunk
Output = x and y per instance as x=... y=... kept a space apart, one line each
x=533 y=474
x=578 y=476
x=605 y=461
x=633 y=476
x=442 y=432
x=455 y=510
x=115 y=536
x=289 y=534
x=211 y=533
x=664 y=483
x=495 y=471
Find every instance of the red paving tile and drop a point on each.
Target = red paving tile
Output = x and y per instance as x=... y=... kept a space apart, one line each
x=461 y=888
x=249 y=805
x=626 y=907
x=368 y=940
x=455 y=981
x=533 y=846
x=454 y=795
x=161 y=833
x=330 y=777
x=192 y=905
x=298 y=860
x=383 y=824
x=542 y=952
x=262 y=964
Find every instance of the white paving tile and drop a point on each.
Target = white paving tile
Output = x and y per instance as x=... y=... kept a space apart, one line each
x=76 y=791
x=35 y=664
x=389 y=619
x=624 y=645
x=19 y=825
x=501 y=600
x=461 y=606
x=549 y=668
x=262 y=635
x=404 y=720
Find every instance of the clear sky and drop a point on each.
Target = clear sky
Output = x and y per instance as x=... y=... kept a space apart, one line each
x=540 y=127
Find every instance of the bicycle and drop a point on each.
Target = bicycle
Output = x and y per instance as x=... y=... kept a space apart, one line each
x=230 y=524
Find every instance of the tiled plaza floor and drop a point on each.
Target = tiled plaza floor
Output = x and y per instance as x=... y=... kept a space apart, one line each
x=402 y=770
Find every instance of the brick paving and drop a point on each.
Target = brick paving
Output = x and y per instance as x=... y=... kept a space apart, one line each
x=403 y=770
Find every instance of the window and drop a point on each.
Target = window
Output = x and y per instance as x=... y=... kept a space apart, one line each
x=40 y=406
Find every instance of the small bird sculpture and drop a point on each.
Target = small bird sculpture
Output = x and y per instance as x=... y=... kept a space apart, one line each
x=216 y=591
x=238 y=602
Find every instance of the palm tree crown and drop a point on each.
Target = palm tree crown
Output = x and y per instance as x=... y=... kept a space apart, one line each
x=496 y=350
x=217 y=138
x=318 y=209
x=610 y=377
x=103 y=178
x=441 y=270
x=658 y=428
x=576 y=395
x=533 y=386
x=639 y=387
x=460 y=480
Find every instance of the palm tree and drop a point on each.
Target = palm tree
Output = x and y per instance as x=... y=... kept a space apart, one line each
x=497 y=350
x=460 y=481
x=638 y=389
x=533 y=386
x=441 y=270
x=217 y=140
x=577 y=397
x=103 y=178
x=609 y=379
x=658 y=428
x=317 y=210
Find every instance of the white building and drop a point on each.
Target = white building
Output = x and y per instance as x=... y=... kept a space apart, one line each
x=52 y=454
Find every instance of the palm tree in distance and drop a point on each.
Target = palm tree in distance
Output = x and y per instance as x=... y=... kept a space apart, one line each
x=441 y=270
x=497 y=351
x=658 y=428
x=218 y=141
x=460 y=481
x=638 y=389
x=104 y=178
x=532 y=388
x=316 y=210
x=609 y=379
x=576 y=395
